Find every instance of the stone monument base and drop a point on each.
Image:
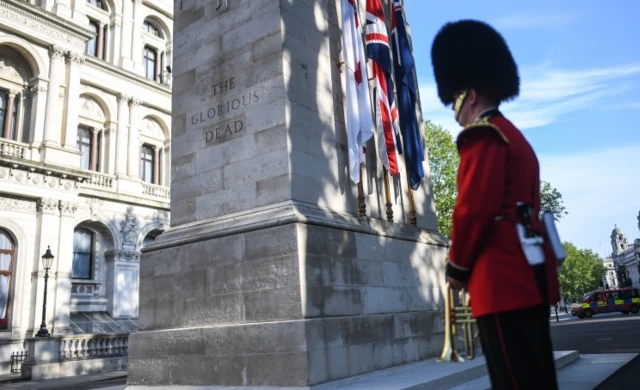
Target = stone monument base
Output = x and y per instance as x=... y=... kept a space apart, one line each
x=287 y=295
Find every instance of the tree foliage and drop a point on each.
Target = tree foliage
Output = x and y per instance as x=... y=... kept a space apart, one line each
x=443 y=163
x=582 y=271
x=551 y=199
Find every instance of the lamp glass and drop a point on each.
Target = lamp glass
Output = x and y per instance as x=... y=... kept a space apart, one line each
x=47 y=259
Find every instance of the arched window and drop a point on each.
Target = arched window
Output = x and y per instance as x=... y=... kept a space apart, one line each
x=154 y=49
x=148 y=27
x=15 y=105
x=96 y=3
x=7 y=258
x=82 y=253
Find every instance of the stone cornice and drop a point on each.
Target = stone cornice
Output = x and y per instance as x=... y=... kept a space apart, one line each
x=48 y=27
x=289 y=212
x=128 y=76
x=45 y=169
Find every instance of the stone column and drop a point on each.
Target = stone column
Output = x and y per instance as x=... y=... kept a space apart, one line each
x=102 y=152
x=156 y=164
x=136 y=39
x=75 y=60
x=38 y=107
x=62 y=270
x=112 y=136
x=8 y=122
x=20 y=115
x=94 y=149
x=304 y=289
x=134 y=141
x=121 y=135
x=101 y=41
x=53 y=109
x=48 y=234
x=159 y=62
x=125 y=38
x=115 y=40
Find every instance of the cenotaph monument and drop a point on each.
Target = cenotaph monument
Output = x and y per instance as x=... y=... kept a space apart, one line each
x=277 y=271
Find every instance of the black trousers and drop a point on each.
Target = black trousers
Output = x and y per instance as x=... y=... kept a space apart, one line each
x=517 y=347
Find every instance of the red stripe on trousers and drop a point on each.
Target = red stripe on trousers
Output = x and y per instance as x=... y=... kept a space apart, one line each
x=506 y=356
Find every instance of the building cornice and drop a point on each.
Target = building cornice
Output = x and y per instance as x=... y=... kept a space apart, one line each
x=128 y=76
x=42 y=25
x=164 y=9
x=45 y=169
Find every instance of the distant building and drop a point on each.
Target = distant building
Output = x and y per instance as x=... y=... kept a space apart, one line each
x=622 y=266
x=85 y=118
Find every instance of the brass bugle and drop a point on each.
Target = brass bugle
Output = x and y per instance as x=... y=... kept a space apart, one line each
x=458 y=316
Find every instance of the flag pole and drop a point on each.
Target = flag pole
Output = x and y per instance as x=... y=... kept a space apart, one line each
x=362 y=206
x=412 y=206
x=387 y=192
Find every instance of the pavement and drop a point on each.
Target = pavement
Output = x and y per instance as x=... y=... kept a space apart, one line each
x=599 y=353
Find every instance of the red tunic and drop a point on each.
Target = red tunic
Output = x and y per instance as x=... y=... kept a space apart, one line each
x=498 y=168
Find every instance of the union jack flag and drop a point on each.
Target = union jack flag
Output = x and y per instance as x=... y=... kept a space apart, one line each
x=378 y=50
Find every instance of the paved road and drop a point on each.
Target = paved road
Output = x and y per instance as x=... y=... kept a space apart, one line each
x=608 y=333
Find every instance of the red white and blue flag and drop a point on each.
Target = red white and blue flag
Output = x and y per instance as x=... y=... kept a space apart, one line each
x=377 y=42
x=403 y=64
x=359 y=117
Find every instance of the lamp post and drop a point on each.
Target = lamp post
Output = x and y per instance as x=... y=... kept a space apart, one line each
x=47 y=260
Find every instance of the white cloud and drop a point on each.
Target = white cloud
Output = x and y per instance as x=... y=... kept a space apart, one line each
x=546 y=95
x=599 y=190
x=530 y=20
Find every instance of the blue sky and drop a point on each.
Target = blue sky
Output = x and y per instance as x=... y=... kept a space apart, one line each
x=579 y=66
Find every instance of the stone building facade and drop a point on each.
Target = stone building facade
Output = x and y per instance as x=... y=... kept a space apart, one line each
x=85 y=118
x=623 y=266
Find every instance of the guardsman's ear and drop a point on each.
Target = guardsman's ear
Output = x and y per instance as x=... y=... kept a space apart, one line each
x=473 y=97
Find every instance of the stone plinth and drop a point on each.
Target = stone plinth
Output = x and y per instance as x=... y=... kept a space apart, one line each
x=267 y=277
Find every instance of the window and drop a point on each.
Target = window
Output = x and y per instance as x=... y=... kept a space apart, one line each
x=84 y=145
x=150 y=58
x=82 y=254
x=147 y=164
x=92 y=45
x=7 y=256
x=95 y=3
x=150 y=28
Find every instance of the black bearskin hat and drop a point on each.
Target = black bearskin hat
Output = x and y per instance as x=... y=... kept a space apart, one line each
x=471 y=54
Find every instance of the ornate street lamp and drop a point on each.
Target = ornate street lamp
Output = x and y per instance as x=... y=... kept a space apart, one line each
x=47 y=261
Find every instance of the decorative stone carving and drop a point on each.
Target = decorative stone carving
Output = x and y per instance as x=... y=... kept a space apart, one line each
x=91 y=109
x=161 y=217
x=129 y=229
x=95 y=205
x=39 y=25
x=135 y=102
x=8 y=69
x=152 y=129
x=122 y=98
x=124 y=255
x=13 y=204
x=76 y=58
x=68 y=208
x=56 y=52
x=48 y=205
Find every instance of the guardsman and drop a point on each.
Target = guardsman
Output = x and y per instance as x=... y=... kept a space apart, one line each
x=498 y=249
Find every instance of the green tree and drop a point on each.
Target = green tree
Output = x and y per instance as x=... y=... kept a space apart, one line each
x=551 y=199
x=582 y=271
x=443 y=163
